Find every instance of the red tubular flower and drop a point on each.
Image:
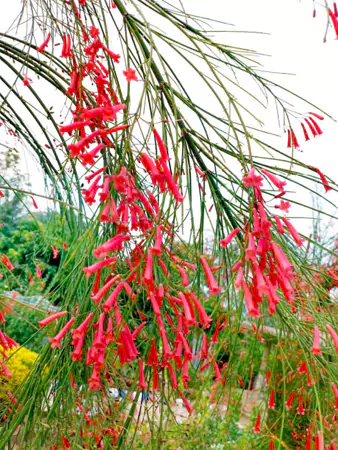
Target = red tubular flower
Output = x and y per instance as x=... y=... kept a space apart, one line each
x=172 y=375
x=51 y=318
x=6 y=262
x=317 y=116
x=184 y=276
x=313 y=130
x=251 y=306
x=161 y=146
x=26 y=81
x=142 y=383
x=323 y=178
x=272 y=445
x=316 y=126
x=114 y=244
x=334 y=21
x=157 y=249
x=267 y=378
x=272 y=404
x=186 y=402
x=55 y=341
x=319 y=441
x=44 y=44
x=225 y=241
x=148 y=279
x=203 y=316
x=98 y=266
x=299 y=241
x=335 y=391
x=279 y=225
x=66 y=48
x=306 y=135
x=112 y=299
x=294 y=139
x=212 y=283
x=256 y=428
x=88 y=157
x=138 y=329
x=300 y=409
x=172 y=186
x=281 y=258
x=150 y=167
x=153 y=354
x=302 y=368
x=315 y=349
x=251 y=251
x=274 y=180
x=334 y=336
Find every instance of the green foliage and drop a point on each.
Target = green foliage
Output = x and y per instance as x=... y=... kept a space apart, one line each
x=22 y=326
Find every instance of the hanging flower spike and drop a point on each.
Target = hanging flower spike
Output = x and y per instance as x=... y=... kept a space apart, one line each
x=130 y=75
x=256 y=428
x=313 y=130
x=226 y=241
x=252 y=180
x=323 y=179
x=51 y=318
x=44 y=44
x=315 y=349
x=334 y=336
x=212 y=283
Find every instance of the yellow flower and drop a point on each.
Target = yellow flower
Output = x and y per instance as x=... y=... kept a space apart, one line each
x=20 y=361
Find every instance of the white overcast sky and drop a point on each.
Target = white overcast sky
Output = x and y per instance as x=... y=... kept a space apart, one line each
x=292 y=43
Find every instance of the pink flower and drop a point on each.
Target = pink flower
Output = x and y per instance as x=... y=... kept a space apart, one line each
x=315 y=349
x=130 y=75
x=283 y=206
x=253 y=180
